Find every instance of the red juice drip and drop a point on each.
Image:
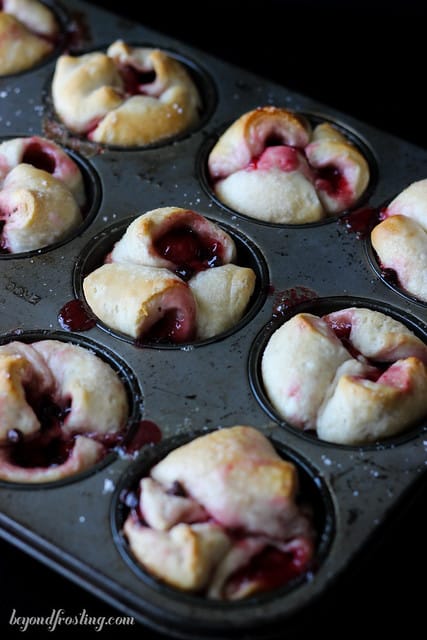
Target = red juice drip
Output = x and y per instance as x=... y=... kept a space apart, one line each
x=361 y=221
x=74 y=316
x=391 y=276
x=147 y=432
x=289 y=298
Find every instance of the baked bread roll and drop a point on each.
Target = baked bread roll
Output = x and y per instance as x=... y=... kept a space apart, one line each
x=271 y=166
x=228 y=480
x=171 y=278
x=141 y=301
x=342 y=173
x=57 y=402
x=355 y=376
x=37 y=209
x=400 y=240
x=222 y=295
x=28 y=30
x=174 y=238
x=127 y=96
x=45 y=155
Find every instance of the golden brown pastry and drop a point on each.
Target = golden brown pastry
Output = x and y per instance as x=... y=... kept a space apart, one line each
x=222 y=295
x=45 y=155
x=271 y=166
x=57 y=402
x=342 y=173
x=400 y=240
x=127 y=96
x=355 y=375
x=28 y=30
x=170 y=278
x=198 y=497
x=172 y=237
x=42 y=194
x=142 y=301
x=37 y=210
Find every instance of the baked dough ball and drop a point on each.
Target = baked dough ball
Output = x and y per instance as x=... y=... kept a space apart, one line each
x=171 y=278
x=135 y=299
x=199 y=495
x=28 y=30
x=355 y=376
x=400 y=240
x=127 y=96
x=57 y=403
x=41 y=194
x=271 y=166
x=228 y=289
x=172 y=237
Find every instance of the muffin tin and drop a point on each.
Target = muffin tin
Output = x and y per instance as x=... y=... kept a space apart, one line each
x=74 y=525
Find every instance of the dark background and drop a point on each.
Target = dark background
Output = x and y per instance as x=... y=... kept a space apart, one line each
x=367 y=59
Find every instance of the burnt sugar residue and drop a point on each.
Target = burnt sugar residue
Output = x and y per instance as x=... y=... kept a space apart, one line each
x=289 y=298
x=361 y=221
x=75 y=316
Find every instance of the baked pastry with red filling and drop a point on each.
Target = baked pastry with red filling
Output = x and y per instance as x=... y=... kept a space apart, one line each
x=127 y=96
x=354 y=376
x=219 y=517
x=28 y=33
x=171 y=277
x=270 y=165
x=60 y=406
x=400 y=239
x=42 y=194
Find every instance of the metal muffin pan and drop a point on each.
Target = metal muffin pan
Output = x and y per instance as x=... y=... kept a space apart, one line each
x=73 y=526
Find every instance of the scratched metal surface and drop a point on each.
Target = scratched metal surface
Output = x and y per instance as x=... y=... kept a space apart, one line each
x=203 y=386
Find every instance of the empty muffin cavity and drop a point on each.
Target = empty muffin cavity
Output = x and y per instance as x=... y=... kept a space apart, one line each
x=47 y=195
x=207 y=498
x=66 y=405
x=343 y=370
x=134 y=96
x=171 y=277
x=281 y=167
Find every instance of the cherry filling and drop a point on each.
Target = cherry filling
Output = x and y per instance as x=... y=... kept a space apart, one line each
x=49 y=447
x=39 y=157
x=172 y=327
x=332 y=181
x=188 y=251
x=134 y=80
x=342 y=330
x=270 y=569
x=283 y=157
